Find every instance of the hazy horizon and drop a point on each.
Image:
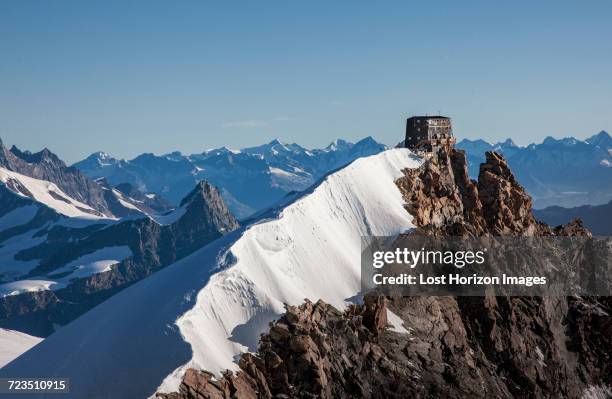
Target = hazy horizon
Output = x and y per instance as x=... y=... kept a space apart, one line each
x=157 y=77
x=196 y=151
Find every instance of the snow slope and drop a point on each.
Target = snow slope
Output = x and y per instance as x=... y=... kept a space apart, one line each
x=13 y=344
x=207 y=308
x=47 y=193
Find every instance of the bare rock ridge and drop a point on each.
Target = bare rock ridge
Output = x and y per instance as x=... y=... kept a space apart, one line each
x=202 y=218
x=453 y=347
x=443 y=199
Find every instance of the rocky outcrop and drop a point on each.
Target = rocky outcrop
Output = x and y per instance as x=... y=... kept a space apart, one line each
x=315 y=351
x=449 y=350
x=522 y=346
x=440 y=196
x=445 y=201
x=443 y=198
x=452 y=347
x=203 y=207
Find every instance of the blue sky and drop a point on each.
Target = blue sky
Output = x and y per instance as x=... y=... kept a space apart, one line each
x=130 y=77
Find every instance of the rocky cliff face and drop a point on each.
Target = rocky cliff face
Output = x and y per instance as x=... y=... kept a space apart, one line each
x=443 y=199
x=315 y=351
x=456 y=347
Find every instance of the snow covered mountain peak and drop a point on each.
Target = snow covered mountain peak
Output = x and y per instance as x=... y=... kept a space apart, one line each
x=276 y=142
x=508 y=143
x=46 y=166
x=220 y=151
x=98 y=159
x=47 y=194
x=275 y=148
x=174 y=156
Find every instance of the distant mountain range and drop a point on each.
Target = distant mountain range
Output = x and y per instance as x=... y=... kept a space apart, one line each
x=557 y=172
x=250 y=179
x=565 y=172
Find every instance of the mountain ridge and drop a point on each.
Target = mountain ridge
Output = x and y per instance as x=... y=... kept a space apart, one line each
x=251 y=178
x=47 y=166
